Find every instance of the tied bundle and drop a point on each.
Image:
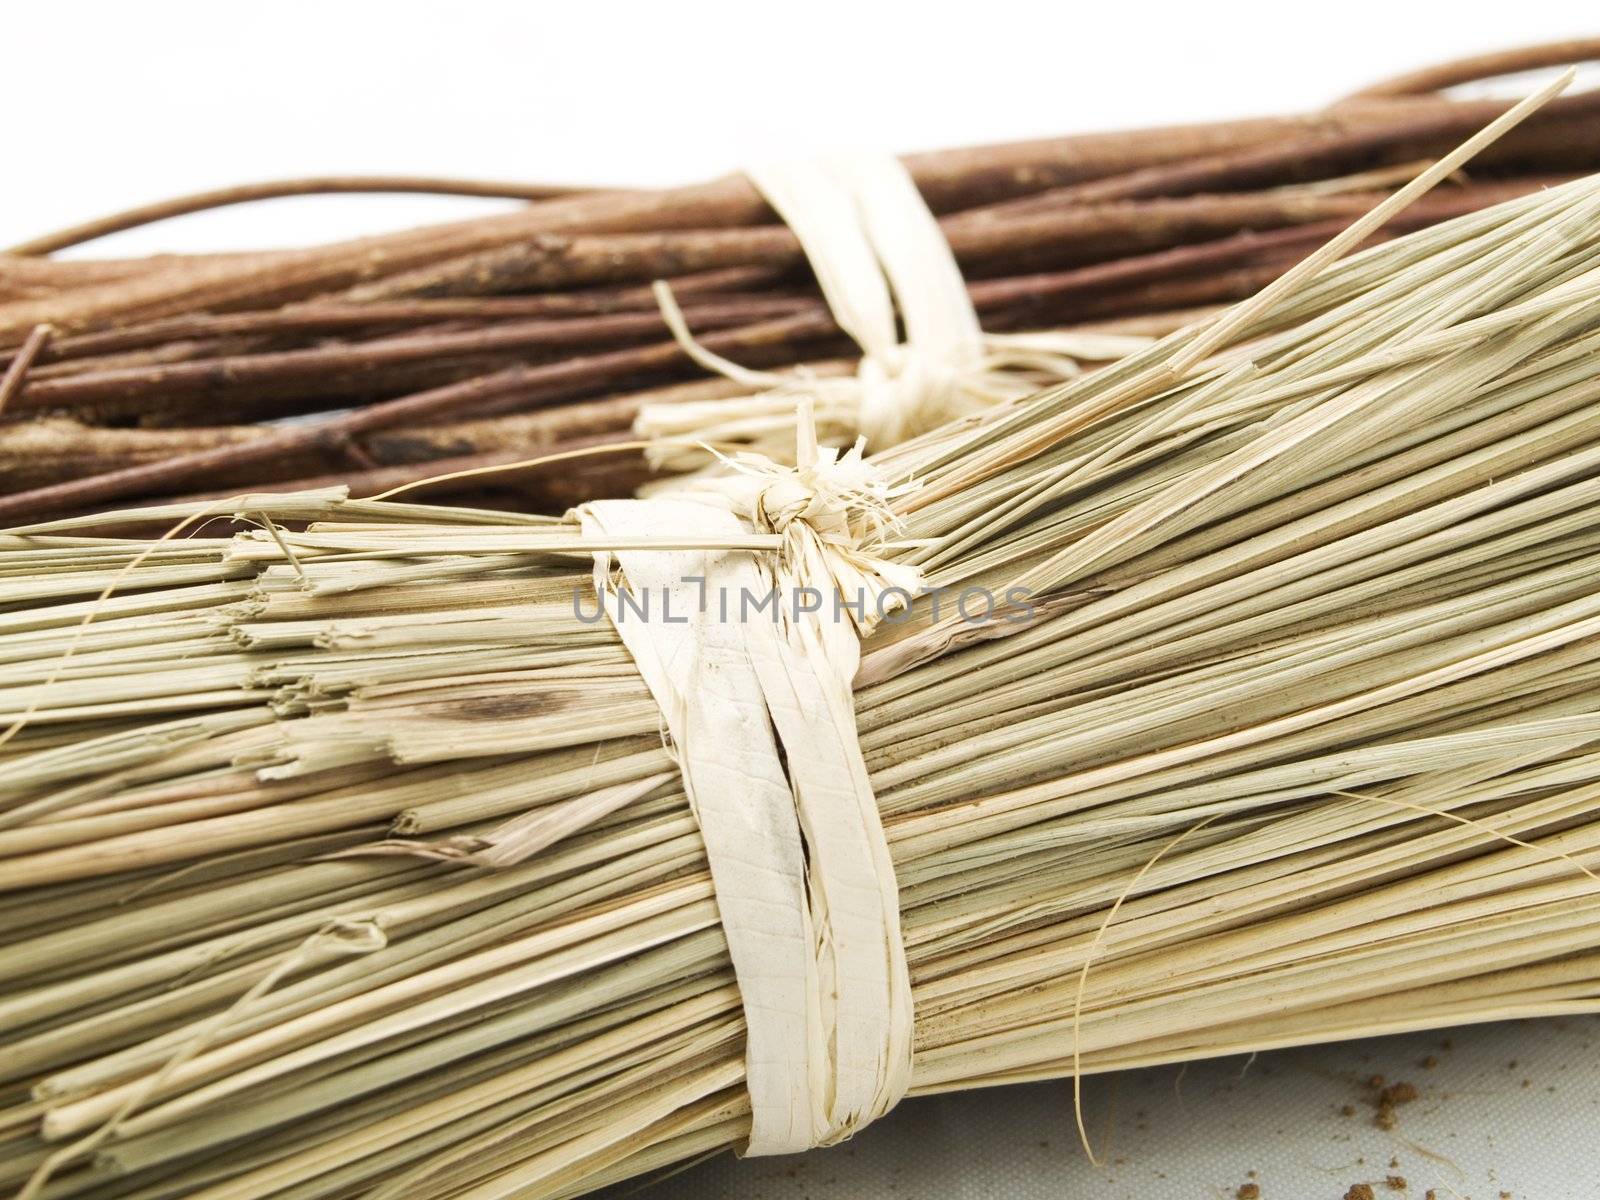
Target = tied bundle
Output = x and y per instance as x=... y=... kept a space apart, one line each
x=433 y=353
x=1248 y=699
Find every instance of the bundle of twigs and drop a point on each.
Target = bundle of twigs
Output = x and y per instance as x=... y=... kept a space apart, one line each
x=487 y=341
x=349 y=861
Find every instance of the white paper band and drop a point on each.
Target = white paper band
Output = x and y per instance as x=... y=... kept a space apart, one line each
x=802 y=872
x=873 y=243
x=875 y=249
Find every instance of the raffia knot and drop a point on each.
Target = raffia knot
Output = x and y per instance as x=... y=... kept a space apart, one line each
x=906 y=390
x=833 y=510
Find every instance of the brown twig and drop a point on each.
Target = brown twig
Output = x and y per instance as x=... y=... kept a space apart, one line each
x=601 y=477
x=341 y=370
x=1105 y=231
x=1171 y=279
x=1181 y=277
x=1109 y=288
x=28 y=274
x=246 y=193
x=336 y=317
x=508 y=389
x=344 y=371
x=1058 y=232
x=52 y=449
x=11 y=381
x=420 y=346
x=1483 y=66
x=950 y=180
x=1416 y=130
x=296 y=275
x=1140 y=162
x=548 y=261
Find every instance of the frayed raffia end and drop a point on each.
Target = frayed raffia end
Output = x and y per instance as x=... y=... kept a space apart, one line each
x=833 y=506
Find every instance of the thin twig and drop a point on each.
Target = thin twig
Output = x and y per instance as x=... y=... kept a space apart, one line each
x=17 y=370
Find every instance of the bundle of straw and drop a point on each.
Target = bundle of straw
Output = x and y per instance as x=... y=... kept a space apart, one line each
x=347 y=860
x=424 y=353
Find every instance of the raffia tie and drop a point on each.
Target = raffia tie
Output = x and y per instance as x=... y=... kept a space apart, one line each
x=760 y=711
x=875 y=249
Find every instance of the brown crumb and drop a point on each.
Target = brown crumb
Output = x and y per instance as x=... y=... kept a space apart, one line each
x=1349 y=1110
x=1430 y=1062
x=1360 y=1191
x=1376 y=1082
x=1396 y=1183
x=1430 y=1194
x=1394 y=1162
x=1505 y=1196
x=1397 y=1094
x=1249 y=1191
x=1391 y=1098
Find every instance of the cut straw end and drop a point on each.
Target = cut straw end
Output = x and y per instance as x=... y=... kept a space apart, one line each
x=1213 y=337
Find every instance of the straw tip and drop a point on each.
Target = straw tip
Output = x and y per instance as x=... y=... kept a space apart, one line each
x=1561 y=82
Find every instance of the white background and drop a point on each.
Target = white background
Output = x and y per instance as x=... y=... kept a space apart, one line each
x=111 y=105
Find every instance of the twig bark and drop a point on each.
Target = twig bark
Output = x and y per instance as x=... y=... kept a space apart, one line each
x=1483 y=66
x=1567 y=128
x=335 y=317
x=335 y=371
x=509 y=389
x=1182 y=277
x=17 y=371
x=355 y=369
x=177 y=206
x=950 y=180
x=1047 y=225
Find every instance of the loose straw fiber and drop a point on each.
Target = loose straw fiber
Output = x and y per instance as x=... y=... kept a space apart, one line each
x=343 y=858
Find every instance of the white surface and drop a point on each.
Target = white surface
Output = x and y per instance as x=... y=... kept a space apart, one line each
x=111 y=105
x=1507 y=1109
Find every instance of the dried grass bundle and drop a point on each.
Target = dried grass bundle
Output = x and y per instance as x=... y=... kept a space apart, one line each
x=342 y=858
